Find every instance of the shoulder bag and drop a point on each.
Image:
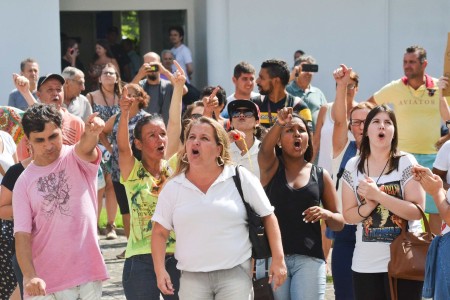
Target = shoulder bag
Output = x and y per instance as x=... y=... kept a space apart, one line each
x=408 y=255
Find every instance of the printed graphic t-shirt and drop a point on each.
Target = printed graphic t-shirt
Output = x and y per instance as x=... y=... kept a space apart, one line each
x=374 y=235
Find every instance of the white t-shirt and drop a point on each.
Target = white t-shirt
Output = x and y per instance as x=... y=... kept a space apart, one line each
x=445 y=228
x=183 y=56
x=442 y=162
x=9 y=148
x=374 y=235
x=249 y=160
x=211 y=229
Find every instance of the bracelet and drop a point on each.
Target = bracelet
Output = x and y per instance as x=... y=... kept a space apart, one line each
x=278 y=123
x=361 y=214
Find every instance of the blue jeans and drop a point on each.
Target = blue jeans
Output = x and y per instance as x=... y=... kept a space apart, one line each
x=228 y=284
x=306 y=278
x=437 y=275
x=341 y=262
x=139 y=278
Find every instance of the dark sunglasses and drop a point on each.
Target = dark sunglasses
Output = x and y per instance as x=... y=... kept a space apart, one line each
x=196 y=116
x=247 y=113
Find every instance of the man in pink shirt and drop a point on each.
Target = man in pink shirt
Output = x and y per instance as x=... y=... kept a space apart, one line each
x=56 y=198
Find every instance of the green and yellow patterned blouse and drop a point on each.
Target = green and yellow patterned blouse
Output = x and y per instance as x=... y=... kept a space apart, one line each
x=142 y=193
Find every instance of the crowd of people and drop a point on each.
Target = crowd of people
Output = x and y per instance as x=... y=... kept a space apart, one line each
x=345 y=173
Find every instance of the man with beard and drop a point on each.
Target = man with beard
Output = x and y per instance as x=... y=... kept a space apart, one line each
x=272 y=80
x=301 y=87
x=160 y=90
x=419 y=108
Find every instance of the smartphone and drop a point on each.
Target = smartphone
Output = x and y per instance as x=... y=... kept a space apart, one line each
x=71 y=51
x=310 y=68
x=152 y=68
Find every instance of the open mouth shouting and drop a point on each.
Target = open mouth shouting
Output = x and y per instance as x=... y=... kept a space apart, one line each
x=297 y=145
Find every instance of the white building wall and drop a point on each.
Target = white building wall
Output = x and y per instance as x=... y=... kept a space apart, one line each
x=370 y=36
x=28 y=28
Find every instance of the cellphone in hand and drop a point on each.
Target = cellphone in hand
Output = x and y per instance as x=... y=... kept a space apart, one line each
x=71 y=51
x=152 y=68
x=310 y=68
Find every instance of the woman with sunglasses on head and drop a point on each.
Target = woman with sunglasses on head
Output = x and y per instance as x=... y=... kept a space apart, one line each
x=135 y=113
x=105 y=101
x=245 y=134
x=303 y=195
x=346 y=141
x=143 y=180
x=378 y=193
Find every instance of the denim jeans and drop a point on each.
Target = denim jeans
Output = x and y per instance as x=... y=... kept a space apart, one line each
x=341 y=262
x=139 y=278
x=306 y=278
x=229 y=284
x=437 y=275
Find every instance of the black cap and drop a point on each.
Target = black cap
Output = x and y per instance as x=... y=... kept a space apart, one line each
x=43 y=79
x=235 y=104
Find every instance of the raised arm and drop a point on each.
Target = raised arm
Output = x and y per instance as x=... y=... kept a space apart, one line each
x=319 y=124
x=339 y=110
x=126 y=158
x=86 y=148
x=443 y=105
x=22 y=84
x=174 y=125
x=267 y=159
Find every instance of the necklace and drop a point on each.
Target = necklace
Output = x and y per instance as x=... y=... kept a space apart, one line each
x=106 y=100
x=381 y=174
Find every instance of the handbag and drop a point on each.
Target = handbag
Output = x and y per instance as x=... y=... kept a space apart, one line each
x=408 y=255
x=257 y=233
x=261 y=288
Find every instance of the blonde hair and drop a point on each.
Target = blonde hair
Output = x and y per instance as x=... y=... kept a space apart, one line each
x=220 y=135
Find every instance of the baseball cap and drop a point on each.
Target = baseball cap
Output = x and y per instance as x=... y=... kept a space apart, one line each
x=235 y=104
x=43 y=79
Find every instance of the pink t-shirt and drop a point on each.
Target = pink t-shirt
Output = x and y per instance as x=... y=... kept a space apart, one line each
x=57 y=204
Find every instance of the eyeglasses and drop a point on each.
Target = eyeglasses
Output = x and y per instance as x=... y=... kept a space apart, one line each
x=247 y=113
x=109 y=73
x=351 y=86
x=356 y=122
x=196 y=116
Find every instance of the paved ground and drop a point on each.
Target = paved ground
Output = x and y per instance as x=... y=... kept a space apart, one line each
x=112 y=289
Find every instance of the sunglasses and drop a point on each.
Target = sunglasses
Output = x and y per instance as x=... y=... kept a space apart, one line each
x=196 y=116
x=109 y=73
x=245 y=112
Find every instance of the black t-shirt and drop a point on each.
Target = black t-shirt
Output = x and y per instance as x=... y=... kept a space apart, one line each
x=270 y=109
x=11 y=176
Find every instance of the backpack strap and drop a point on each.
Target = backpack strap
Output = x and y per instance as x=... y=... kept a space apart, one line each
x=349 y=153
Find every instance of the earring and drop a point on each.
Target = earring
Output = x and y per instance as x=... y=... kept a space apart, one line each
x=219 y=161
x=184 y=158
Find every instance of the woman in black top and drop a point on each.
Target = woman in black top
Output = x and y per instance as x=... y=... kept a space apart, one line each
x=297 y=189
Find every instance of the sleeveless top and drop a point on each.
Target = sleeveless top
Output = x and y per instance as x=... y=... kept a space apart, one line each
x=105 y=112
x=297 y=236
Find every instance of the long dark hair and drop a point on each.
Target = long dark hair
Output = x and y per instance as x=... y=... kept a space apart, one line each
x=104 y=44
x=394 y=156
